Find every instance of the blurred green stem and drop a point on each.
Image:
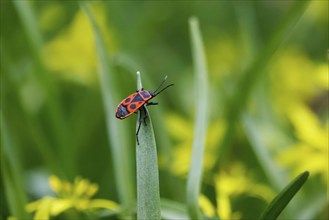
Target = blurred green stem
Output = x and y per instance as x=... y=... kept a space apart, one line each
x=12 y=174
x=200 y=128
x=47 y=83
x=148 y=192
x=122 y=169
x=29 y=23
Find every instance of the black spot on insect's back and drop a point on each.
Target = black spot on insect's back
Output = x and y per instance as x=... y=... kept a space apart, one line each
x=137 y=98
x=127 y=100
x=132 y=106
x=145 y=94
x=122 y=111
x=140 y=103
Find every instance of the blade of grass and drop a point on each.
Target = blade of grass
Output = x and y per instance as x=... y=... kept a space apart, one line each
x=173 y=210
x=254 y=73
x=311 y=210
x=33 y=128
x=122 y=169
x=46 y=82
x=12 y=174
x=29 y=23
x=163 y=141
x=201 y=104
x=148 y=193
x=258 y=145
x=283 y=198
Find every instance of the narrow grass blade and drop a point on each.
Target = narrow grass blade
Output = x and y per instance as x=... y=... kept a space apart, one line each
x=163 y=141
x=12 y=175
x=122 y=169
x=148 y=193
x=173 y=210
x=265 y=159
x=200 y=129
x=29 y=23
x=311 y=210
x=45 y=80
x=33 y=128
x=283 y=198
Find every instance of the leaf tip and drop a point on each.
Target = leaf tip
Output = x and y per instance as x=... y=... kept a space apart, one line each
x=306 y=174
x=193 y=20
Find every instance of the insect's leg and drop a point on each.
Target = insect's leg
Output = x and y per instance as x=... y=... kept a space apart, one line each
x=144 y=114
x=139 y=125
x=145 y=120
x=152 y=103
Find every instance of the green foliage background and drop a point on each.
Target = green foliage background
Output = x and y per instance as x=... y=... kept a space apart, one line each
x=52 y=112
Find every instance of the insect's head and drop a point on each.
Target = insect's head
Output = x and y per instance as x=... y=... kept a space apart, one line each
x=155 y=93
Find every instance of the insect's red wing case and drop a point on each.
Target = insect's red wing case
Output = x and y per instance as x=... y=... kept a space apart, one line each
x=132 y=103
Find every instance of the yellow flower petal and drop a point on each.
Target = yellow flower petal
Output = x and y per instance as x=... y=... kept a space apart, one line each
x=59 y=206
x=81 y=187
x=67 y=188
x=234 y=182
x=33 y=206
x=322 y=76
x=82 y=204
x=92 y=189
x=72 y=54
x=181 y=161
x=71 y=196
x=307 y=126
x=206 y=206
x=43 y=210
x=224 y=209
x=103 y=203
x=55 y=184
x=179 y=127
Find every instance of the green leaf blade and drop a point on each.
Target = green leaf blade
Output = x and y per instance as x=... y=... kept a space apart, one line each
x=122 y=169
x=201 y=97
x=12 y=171
x=283 y=198
x=148 y=192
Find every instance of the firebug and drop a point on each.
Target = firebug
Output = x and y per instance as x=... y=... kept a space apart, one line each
x=136 y=102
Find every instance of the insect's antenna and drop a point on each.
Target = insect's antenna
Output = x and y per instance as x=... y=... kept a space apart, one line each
x=160 y=85
x=163 y=89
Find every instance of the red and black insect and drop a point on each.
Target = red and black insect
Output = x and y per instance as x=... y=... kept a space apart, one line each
x=136 y=101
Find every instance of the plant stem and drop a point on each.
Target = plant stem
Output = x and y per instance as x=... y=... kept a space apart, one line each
x=200 y=129
x=148 y=193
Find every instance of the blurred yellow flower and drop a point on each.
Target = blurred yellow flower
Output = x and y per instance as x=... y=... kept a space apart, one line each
x=206 y=206
x=182 y=131
x=230 y=184
x=222 y=57
x=72 y=53
x=75 y=195
x=311 y=150
x=296 y=81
